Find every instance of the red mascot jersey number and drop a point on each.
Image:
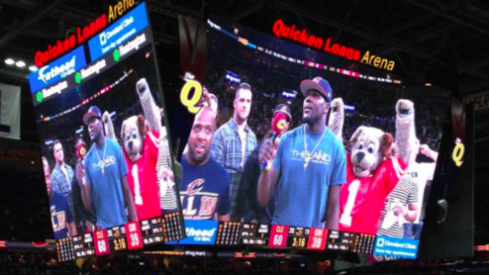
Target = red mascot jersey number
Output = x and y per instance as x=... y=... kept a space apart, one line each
x=362 y=199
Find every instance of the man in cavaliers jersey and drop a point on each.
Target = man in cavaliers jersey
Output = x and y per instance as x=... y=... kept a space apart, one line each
x=204 y=191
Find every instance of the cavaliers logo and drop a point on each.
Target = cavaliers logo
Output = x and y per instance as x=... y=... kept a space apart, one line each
x=195 y=187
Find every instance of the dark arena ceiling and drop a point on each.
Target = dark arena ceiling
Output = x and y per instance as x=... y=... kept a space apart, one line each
x=418 y=34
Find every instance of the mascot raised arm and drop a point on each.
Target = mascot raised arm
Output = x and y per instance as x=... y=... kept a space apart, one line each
x=372 y=173
x=147 y=155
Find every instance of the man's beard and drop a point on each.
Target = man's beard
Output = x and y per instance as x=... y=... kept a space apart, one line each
x=309 y=120
x=198 y=160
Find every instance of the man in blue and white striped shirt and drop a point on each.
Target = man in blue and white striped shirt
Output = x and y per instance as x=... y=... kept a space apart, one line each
x=234 y=141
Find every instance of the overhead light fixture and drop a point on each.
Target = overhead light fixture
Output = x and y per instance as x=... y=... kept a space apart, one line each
x=427 y=84
x=32 y=68
x=9 y=61
x=20 y=64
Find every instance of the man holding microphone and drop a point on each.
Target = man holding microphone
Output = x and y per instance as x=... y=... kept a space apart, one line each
x=309 y=166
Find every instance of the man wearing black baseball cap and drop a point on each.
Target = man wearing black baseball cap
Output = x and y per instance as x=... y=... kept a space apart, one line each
x=248 y=205
x=104 y=184
x=309 y=166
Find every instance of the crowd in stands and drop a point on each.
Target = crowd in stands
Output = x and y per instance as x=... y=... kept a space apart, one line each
x=46 y=264
x=374 y=102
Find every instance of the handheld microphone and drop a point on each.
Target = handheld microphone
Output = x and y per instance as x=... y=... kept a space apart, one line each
x=81 y=151
x=278 y=128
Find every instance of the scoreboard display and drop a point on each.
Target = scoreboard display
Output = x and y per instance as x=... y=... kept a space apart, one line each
x=117 y=238
x=351 y=242
x=108 y=80
x=83 y=246
x=153 y=231
x=131 y=236
x=287 y=192
x=228 y=233
x=298 y=237
x=255 y=234
x=172 y=225
x=65 y=249
x=273 y=236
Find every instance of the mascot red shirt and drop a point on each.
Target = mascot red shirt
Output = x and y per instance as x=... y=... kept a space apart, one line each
x=362 y=199
x=142 y=178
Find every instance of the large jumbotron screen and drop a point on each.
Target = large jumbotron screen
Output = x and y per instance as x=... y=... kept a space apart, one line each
x=299 y=149
x=106 y=156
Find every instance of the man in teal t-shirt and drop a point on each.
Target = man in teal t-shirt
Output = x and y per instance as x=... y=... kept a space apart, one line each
x=105 y=189
x=309 y=166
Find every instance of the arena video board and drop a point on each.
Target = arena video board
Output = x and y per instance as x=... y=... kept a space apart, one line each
x=344 y=166
x=106 y=155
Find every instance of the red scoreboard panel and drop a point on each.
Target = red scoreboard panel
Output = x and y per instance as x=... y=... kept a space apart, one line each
x=278 y=236
x=134 y=238
x=101 y=242
x=317 y=239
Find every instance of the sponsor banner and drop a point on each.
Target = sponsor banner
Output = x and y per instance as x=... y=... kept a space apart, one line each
x=57 y=70
x=9 y=111
x=199 y=232
x=395 y=247
x=123 y=29
x=93 y=69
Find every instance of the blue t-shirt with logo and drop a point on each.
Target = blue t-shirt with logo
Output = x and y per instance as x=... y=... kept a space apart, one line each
x=107 y=194
x=301 y=194
x=60 y=215
x=204 y=190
